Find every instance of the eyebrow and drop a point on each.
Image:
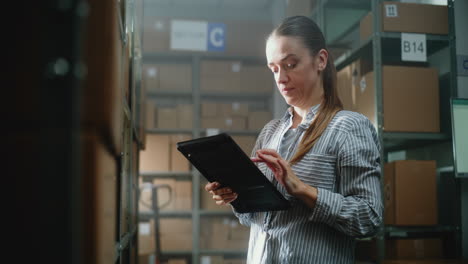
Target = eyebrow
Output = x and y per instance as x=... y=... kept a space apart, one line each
x=284 y=58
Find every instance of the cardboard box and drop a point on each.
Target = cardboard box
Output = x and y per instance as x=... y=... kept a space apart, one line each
x=223 y=233
x=156 y=156
x=146 y=243
x=175 y=226
x=408 y=17
x=258 y=119
x=209 y=109
x=175 y=77
x=347 y=83
x=212 y=260
x=150 y=77
x=167 y=197
x=220 y=76
x=99 y=173
x=246 y=143
x=176 y=242
x=405 y=205
x=414 y=248
x=166 y=117
x=234 y=109
x=183 y=195
x=220 y=67
x=145 y=197
x=256 y=79
x=247 y=38
x=234 y=261
x=233 y=123
x=177 y=261
x=150 y=114
x=178 y=162
x=299 y=7
x=175 y=234
x=410 y=99
x=424 y=261
x=102 y=93
x=185 y=116
x=156 y=34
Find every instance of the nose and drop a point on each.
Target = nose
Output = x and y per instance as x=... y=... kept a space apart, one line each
x=282 y=77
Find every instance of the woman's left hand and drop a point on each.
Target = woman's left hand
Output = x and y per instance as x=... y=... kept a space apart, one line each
x=286 y=177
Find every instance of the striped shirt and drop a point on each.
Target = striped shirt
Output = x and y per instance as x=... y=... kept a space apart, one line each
x=344 y=165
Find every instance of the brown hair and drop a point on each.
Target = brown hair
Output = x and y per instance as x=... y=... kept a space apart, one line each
x=304 y=29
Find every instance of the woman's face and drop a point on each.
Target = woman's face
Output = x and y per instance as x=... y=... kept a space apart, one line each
x=296 y=72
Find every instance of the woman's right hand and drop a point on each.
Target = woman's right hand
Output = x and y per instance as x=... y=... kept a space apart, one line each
x=222 y=196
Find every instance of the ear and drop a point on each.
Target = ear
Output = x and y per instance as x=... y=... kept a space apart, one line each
x=321 y=59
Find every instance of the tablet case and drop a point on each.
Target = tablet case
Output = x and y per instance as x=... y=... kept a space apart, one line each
x=219 y=158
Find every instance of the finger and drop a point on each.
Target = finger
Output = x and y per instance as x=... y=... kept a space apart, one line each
x=211 y=186
x=226 y=201
x=268 y=158
x=222 y=191
x=284 y=165
x=256 y=159
x=224 y=197
x=271 y=152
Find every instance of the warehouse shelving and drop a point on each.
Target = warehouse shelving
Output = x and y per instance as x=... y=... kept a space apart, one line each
x=196 y=96
x=382 y=47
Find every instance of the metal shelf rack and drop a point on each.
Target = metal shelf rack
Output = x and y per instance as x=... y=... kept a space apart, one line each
x=379 y=48
x=196 y=96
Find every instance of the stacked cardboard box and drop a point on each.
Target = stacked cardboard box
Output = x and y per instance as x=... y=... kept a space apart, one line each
x=416 y=89
x=234 y=77
x=99 y=176
x=413 y=248
x=299 y=7
x=173 y=195
x=179 y=116
x=408 y=17
x=404 y=205
x=424 y=261
x=223 y=233
x=175 y=234
x=146 y=242
x=167 y=77
x=221 y=260
x=225 y=116
x=161 y=154
x=232 y=116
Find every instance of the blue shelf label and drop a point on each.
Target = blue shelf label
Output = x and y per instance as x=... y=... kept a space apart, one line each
x=216 y=36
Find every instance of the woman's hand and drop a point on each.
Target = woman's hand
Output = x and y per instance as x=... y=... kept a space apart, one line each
x=222 y=196
x=286 y=177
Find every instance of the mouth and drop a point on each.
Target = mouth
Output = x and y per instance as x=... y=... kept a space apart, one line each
x=287 y=89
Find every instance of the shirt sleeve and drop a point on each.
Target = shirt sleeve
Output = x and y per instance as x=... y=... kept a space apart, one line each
x=356 y=209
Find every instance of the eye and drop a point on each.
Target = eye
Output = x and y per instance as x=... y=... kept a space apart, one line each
x=274 y=69
x=290 y=65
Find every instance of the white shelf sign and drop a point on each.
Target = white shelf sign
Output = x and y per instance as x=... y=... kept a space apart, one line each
x=413 y=47
x=391 y=10
x=197 y=35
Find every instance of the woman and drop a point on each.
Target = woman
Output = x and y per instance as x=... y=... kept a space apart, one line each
x=326 y=161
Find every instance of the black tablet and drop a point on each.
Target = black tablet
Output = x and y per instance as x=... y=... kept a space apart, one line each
x=219 y=158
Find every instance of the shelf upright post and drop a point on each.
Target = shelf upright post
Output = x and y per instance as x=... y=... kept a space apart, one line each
x=377 y=63
x=321 y=15
x=453 y=50
x=196 y=97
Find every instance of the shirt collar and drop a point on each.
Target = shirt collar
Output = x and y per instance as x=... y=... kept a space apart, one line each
x=308 y=118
